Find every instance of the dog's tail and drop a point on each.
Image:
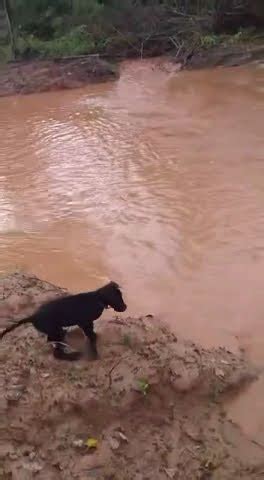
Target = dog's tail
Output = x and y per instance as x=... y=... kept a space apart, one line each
x=14 y=325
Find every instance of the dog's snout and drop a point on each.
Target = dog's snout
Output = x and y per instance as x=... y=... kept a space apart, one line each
x=122 y=309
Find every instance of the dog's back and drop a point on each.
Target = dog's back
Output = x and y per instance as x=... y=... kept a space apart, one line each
x=70 y=310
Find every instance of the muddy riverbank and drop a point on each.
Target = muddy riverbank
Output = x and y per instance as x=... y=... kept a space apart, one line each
x=154 y=404
x=36 y=76
x=225 y=55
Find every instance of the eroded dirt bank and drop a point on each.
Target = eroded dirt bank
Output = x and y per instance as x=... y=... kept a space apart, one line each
x=41 y=76
x=155 y=403
x=226 y=56
x=35 y=76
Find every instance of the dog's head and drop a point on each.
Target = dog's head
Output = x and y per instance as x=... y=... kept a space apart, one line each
x=112 y=297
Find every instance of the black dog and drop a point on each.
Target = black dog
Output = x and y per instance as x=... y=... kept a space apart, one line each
x=81 y=309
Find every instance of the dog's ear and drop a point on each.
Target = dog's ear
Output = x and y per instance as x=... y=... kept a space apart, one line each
x=114 y=285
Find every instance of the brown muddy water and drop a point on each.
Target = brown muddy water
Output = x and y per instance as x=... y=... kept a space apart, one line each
x=156 y=181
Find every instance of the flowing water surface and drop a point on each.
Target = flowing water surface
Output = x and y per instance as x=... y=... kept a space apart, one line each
x=155 y=181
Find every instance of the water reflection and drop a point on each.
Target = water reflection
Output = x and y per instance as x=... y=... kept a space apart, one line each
x=155 y=180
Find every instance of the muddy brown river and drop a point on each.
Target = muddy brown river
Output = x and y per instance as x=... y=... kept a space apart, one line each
x=156 y=181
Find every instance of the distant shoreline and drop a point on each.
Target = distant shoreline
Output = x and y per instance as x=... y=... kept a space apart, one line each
x=34 y=76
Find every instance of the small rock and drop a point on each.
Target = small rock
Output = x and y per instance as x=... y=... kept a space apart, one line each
x=78 y=443
x=14 y=396
x=89 y=462
x=33 y=467
x=32 y=455
x=5 y=450
x=114 y=443
x=13 y=456
x=57 y=465
x=186 y=380
x=193 y=432
x=122 y=436
x=93 y=472
x=3 y=405
x=219 y=373
x=170 y=472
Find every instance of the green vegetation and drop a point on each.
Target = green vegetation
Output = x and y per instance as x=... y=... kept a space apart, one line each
x=127 y=341
x=143 y=386
x=208 y=41
x=55 y=28
x=76 y=42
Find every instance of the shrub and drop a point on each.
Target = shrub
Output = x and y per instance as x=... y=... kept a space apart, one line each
x=76 y=42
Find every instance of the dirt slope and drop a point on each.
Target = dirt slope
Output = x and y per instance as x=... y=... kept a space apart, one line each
x=155 y=404
x=37 y=76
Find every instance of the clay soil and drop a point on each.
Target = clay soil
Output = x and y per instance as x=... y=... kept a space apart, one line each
x=25 y=77
x=40 y=76
x=227 y=56
x=155 y=404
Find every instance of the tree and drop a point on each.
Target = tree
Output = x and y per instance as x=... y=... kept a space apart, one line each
x=257 y=8
x=7 y=9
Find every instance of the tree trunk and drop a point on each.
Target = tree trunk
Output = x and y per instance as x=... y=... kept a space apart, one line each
x=257 y=8
x=7 y=10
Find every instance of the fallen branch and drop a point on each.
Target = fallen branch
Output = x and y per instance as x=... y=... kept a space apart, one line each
x=142 y=44
x=113 y=368
x=177 y=45
x=125 y=38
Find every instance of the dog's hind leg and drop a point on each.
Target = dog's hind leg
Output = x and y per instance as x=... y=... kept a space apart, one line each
x=90 y=333
x=57 y=338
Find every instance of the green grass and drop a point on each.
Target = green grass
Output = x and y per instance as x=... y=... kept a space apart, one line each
x=209 y=41
x=127 y=341
x=5 y=53
x=143 y=386
x=76 y=42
